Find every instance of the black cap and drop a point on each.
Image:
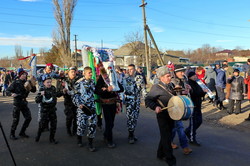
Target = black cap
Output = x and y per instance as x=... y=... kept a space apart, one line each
x=179 y=68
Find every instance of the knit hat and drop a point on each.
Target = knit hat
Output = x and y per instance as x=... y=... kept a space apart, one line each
x=161 y=71
x=190 y=74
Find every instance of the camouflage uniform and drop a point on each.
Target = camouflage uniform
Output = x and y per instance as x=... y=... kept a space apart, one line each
x=133 y=87
x=86 y=117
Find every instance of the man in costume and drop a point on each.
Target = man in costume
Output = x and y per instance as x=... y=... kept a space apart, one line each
x=70 y=108
x=86 y=113
x=133 y=87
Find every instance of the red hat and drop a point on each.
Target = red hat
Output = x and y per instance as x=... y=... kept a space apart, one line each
x=50 y=65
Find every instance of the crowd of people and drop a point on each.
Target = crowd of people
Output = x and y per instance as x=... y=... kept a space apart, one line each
x=79 y=90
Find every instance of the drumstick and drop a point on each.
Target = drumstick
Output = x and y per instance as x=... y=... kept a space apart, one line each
x=167 y=107
x=173 y=106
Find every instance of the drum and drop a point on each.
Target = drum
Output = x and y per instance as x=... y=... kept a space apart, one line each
x=180 y=107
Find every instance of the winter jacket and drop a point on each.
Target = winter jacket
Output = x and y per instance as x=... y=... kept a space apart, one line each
x=159 y=93
x=210 y=78
x=237 y=88
x=106 y=94
x=18 y=88
x=196 y=94
x=221 y=78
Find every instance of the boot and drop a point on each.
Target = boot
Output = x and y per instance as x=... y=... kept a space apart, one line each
x=69 y=132
x=222 y=107
x=12 y=135
x=131 y=137
x=79 y=141
x=38 y=135
x=91 y=147
x=22 y=133
x=52 y=138
x=74 y=130
x=247 y=119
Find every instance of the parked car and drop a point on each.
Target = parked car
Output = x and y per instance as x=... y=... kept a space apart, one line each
x=238 y=66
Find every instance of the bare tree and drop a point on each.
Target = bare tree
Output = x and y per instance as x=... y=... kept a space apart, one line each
x=18 y=51
x=135 y=43
x=63 y=13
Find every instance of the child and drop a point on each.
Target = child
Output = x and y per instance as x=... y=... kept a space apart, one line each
x=47 y=98
x=236 y=92
x=86 y=114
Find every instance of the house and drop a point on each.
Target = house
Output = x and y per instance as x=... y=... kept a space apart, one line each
x=224 y=53
x=134 y=53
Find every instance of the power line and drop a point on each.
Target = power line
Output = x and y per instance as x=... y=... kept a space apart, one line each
x=11 y=14
x=22 y=23
x=194 y=20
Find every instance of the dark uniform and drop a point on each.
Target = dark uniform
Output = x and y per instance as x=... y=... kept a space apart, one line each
x=70 y=108
x=48 y=103
x=20 y=105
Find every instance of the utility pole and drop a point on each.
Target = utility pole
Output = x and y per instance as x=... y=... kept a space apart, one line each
x=75 y=50
x=101 y=44
x=153 y=40
x=145 y=37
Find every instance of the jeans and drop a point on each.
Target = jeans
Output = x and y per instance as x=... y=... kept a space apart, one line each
x=179 y=128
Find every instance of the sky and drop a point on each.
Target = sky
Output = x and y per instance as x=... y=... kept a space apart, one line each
x=175 y=24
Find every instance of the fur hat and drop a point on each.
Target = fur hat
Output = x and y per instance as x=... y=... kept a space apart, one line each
x=161 y=71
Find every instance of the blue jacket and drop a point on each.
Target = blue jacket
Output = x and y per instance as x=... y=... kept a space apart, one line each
x=221 y=78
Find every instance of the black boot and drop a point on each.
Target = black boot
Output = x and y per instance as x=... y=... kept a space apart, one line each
x=91 y=147
x=22 y=133
x=79 y=141
x=131 y=137
x=52 y=138
x=38 y=135
x=69 y=131
x=12 y=135
x=222 y=107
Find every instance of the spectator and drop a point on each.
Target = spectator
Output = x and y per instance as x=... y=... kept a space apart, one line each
x=220 y=85
x=236 y=92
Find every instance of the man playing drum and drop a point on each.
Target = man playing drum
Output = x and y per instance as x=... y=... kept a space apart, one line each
x=159 y=94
